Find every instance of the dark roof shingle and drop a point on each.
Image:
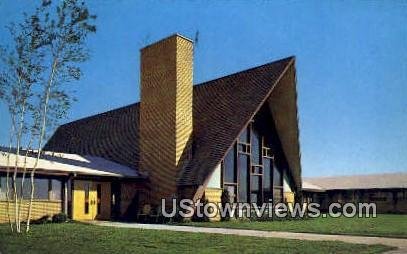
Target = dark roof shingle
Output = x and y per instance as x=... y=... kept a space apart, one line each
x=221 y=108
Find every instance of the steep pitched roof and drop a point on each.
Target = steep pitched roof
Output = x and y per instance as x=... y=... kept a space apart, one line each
x=221 y=109
x=112 y=135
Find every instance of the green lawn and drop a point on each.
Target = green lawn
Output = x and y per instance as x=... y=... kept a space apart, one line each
x=388 y=225
x=80 y=238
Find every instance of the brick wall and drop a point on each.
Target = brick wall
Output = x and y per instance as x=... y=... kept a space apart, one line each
x=165 y=112
x=214 y=195
x=40 y=209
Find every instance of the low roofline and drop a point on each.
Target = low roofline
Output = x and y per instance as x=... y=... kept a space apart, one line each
x=396 y=180
x=66 y=164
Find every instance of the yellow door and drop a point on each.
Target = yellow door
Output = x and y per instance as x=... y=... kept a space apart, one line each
x=84 y=200
x=91 y=200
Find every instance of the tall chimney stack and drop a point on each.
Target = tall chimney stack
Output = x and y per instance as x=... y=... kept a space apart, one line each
x=165 y=112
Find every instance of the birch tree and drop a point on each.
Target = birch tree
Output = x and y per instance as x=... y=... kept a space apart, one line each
x=21 y=69
x=63 y=40
x=47 y=49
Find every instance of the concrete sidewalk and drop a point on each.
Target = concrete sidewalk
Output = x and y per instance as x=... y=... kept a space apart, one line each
x=401 y=244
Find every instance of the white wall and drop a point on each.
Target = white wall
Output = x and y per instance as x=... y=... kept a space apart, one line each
x=214 y=181
x=286 y=184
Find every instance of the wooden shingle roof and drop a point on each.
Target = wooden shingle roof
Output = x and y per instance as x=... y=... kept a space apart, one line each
x=221 y=109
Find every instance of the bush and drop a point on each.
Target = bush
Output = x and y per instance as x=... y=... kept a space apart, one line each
x=225 y=199
x=43 y=220
x=59 y=218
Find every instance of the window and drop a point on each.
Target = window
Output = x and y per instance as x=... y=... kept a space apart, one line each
x=243 y=169
x=251 y=171
x=257 y=169
x=245 y=136
x=244 y=148
x=87 y=190
x=56 y=189
x=44 y=188
x=255 y=147
x=3 y=188
x=267 y=168
x=255 y=183
x=26 y=190
x=41 y=188
x=230 y=167
x=267 y=153
x=267 y=188
x=277 y=184
x=255 y=189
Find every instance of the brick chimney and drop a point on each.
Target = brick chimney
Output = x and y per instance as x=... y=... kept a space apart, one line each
x=165 y=112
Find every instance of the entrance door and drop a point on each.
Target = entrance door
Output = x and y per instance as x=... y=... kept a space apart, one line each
x=91 y=200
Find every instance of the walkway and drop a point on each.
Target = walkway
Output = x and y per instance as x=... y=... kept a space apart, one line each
x=401 y=244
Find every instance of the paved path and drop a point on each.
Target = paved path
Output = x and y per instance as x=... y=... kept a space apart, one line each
x=401 y=244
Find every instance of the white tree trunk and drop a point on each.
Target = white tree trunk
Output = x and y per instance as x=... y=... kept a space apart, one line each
x=8 y=173
x=18 y=140
x=41 y=138
x=23 y=180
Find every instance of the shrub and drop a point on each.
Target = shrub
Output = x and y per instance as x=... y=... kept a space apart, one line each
x=59 y=218
x=43 y=220
x=226 y=199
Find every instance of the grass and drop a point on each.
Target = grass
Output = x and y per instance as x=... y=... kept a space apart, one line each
x=387 y=225
x=80 y=238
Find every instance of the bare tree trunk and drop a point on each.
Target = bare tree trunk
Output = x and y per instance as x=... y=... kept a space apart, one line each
x=23 y=179
x=41 y=138
x=16 y=208
x=8 y=173
x=18 y=147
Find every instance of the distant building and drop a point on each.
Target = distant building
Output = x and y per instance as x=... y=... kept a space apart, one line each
x=388 y=191
x=237 y=133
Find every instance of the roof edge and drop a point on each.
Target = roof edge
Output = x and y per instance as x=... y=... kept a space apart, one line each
x=289 y=64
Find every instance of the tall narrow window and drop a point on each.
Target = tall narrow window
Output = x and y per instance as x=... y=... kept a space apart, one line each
x=2 y=188
x=243 y=177
x=230 y=167
x=244 y=142
x=255 y=147
x=245 y=136
x=255 y=192
x=56 y=189
x=87 y=190
x=277 y=184
x=267 y=186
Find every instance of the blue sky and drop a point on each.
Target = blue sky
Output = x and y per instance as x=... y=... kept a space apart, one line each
x=351 y=66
